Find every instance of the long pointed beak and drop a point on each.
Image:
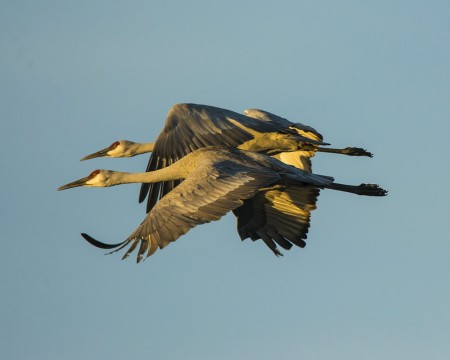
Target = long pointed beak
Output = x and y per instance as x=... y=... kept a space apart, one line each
x=101 y=153
x=80 y=182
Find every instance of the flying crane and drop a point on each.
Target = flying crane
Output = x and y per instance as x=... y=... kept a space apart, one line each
x=219 y=179
x=190 y=127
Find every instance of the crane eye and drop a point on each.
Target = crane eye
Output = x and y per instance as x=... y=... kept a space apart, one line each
x=93 y=174
x=114 y=145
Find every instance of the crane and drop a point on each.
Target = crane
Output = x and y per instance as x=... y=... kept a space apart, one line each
x=219 y=179
x=191 y=126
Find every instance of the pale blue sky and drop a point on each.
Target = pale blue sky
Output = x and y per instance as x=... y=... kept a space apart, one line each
x=373 y=281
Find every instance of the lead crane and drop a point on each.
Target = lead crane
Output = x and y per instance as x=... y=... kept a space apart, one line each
x=190 y=127
x=217 y=180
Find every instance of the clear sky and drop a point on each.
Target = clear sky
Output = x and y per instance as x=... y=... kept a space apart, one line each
x=373 y=280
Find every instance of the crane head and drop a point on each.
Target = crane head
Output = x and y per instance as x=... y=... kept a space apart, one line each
x=97 y=178
x=120 y=148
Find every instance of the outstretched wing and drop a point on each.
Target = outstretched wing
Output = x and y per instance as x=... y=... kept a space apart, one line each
x=209 y=192
x=301 y=129
x=302 y=158
x=190 y=127
x=278 y=216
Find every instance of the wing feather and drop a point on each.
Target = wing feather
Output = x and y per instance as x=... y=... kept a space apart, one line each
x=190 y=127
x=304 y=130
x=300 y=159
x=211 y=190
x=280 y=215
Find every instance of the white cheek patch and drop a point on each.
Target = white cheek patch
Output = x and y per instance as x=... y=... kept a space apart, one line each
x=116 y=152
x=95 y=181
x=90 y=182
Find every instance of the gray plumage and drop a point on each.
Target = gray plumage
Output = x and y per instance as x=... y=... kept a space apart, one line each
x=272 y=200
x=190 y=127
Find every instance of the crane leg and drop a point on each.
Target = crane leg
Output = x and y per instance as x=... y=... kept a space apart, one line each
x=350 y=151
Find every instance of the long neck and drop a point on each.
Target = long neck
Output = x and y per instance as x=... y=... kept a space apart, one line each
x=176 y=171
x=142 y=148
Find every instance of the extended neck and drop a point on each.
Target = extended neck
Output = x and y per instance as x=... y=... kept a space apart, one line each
x=142 y=148
x=175 y=171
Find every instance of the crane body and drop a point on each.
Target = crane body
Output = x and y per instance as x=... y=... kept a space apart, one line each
x=190 y=127
x=219 y=179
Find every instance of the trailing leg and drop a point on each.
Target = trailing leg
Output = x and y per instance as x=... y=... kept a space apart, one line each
x=350 y=151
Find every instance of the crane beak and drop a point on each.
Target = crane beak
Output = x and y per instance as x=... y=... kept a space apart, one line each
x=80 y=182
x=101 y=153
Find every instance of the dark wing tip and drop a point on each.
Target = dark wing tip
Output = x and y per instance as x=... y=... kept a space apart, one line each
x=277 y=253
x=99 y=244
